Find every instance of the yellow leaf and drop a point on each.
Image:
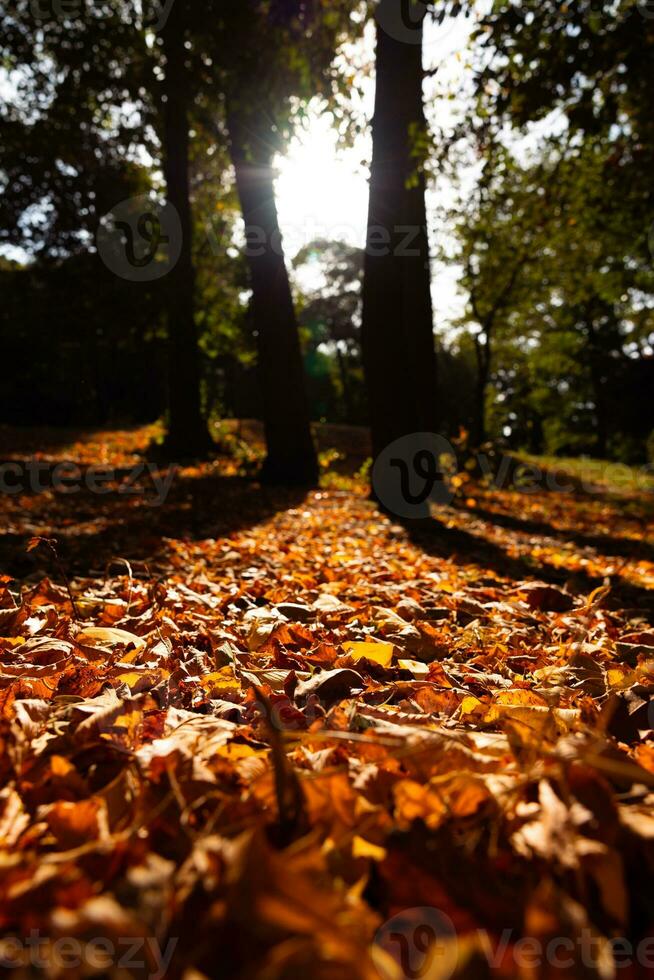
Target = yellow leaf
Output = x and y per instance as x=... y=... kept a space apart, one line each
x=416 y=802
x=236 y=750
x=220 y=679
x=379 y=653
x=470 y=705
x=615 y=677
x=362 y=848
x=518 y=697
x=139 y=680
x=108 y=636
x=130 y=677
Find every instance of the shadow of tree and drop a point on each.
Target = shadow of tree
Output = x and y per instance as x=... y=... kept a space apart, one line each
x=437 y=539
x=92 y=530
x=618 y=547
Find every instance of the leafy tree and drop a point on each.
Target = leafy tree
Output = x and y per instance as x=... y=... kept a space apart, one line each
x=500 y=227
x=558 y=292
x=586 y=71
x=599 y=283
x=592 y=66
x=582 y=74
x=71 y=124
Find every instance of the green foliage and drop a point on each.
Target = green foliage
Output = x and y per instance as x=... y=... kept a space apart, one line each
x=77 y=125
x=553 y=242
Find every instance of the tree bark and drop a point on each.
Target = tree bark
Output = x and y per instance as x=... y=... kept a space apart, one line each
x=397 y=329
x=596 y=365
x=345 y=384
x=291 y=455
x=187 y=431
x=483 y=354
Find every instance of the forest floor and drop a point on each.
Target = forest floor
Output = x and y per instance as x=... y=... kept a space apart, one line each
x=254 y=733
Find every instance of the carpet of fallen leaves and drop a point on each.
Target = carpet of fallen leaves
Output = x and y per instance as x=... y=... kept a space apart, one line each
x=273 y=735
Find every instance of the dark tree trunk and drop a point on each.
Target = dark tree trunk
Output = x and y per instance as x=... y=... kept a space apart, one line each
x=479 y=434
x=291 y=457
x=343 y=371
x=601 y=409
x=536 y=435
x=596 y=363
x=187 y=431
x=482 y=351
x=397 y=330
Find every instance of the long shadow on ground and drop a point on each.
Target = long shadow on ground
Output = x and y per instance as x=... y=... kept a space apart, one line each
x=617 y=547
x=92 y=530
x=435 y=538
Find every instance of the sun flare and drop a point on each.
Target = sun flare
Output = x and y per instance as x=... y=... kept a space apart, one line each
x=322 y=193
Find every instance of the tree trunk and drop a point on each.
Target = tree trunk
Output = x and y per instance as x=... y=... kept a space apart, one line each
x=596 y=365
x=482 y=351
x=187 y=431
x=345 y=384
x=397 y=329
x=601 y=410
x=536 y=435
x=479 y=435
x=291 y=457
